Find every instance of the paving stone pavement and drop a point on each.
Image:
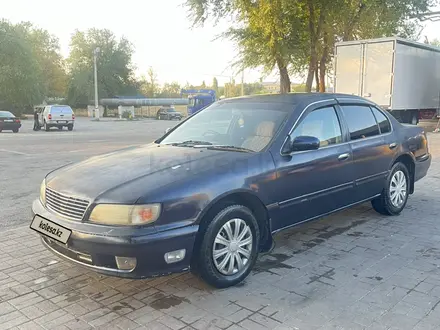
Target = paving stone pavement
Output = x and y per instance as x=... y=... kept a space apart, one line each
x=353 y=270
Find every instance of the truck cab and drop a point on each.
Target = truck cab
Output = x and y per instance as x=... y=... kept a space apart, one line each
x=198 y=99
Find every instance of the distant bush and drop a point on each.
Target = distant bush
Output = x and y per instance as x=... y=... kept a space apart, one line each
x=127 y=115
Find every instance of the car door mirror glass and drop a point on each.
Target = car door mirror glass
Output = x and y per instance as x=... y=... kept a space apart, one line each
x=301 y=143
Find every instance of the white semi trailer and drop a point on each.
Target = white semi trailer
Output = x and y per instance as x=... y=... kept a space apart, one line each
x=400 y=75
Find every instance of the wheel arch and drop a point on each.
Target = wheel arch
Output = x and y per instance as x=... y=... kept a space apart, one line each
x=409 y=162
x=239 y=197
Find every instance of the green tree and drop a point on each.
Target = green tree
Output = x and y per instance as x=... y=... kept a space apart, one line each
x=215 y=85
x=298 y=36
x=170 y=90
x=114 y=63
x=46 y=50
x=21 y=78
x=149 y=84
x=435 y=42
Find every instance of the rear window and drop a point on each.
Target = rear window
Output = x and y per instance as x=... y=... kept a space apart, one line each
x=360 y=121
x=5 y=114
x=382 y=120
x=61 y=109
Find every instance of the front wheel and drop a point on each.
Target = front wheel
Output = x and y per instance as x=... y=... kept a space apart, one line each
x=394 y=196
x=229 y=248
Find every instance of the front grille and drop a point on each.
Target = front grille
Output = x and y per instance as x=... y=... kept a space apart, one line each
x=69 y=207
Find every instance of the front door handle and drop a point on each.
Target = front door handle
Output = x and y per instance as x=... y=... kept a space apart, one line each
x=344 y=156
x=393 y=145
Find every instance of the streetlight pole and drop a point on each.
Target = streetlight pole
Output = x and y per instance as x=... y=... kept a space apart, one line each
x=95 y=56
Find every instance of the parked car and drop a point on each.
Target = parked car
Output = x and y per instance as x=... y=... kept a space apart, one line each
x=208 y=195
x=56 y=116
x=168 y=114
x=8 y=122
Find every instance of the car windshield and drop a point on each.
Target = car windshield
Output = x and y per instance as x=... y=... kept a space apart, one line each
x=5 y=114
x=237 y=125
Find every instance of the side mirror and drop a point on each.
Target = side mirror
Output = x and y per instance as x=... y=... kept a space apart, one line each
x=301 y=143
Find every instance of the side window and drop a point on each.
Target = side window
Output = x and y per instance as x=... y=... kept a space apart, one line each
x=360 y=121
x=323 y=124
x=382 y=120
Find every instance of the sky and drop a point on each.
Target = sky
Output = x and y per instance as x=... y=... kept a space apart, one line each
x=160 y=31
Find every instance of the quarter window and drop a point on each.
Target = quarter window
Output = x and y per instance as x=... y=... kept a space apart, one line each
x=361 y=122
x=382 y=120
x=323 y=124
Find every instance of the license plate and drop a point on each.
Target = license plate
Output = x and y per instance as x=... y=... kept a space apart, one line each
x=9 y=121
x=50 y=229
x=62 y=122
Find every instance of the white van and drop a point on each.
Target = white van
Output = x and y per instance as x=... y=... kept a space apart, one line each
x=57 y=116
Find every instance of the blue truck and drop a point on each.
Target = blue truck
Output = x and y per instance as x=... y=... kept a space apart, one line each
x=198 y=99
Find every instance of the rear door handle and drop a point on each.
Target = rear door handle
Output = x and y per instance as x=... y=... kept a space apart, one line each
x=393 y=145
x=344 y=156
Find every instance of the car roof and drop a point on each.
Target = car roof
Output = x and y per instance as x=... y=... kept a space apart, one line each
x=296 y=98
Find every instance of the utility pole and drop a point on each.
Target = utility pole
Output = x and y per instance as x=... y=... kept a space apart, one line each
x=95 y=56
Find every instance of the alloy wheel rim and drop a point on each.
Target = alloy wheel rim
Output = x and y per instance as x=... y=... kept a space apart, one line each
x=398 y=187
x=232 y=248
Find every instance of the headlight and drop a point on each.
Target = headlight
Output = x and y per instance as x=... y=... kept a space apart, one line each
x=43 y=192
x=126 y=215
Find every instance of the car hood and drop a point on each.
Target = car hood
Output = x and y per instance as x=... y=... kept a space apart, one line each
x=123 y=176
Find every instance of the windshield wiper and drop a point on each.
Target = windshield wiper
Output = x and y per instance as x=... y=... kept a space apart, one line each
x=232 y=148
x=191 y=143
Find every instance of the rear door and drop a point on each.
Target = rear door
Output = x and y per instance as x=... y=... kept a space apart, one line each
x=372 y=151
x=348 y=69
x=378 y=72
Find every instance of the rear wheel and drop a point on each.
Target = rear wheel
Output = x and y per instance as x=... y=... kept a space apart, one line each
x=46 y=127
x=394 y=197
x=229 y=248
x=15 y=130
x=70 y=127
x=60 y=127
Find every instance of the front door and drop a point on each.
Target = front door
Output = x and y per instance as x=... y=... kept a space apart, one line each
x=316 y=182
x=373 y=149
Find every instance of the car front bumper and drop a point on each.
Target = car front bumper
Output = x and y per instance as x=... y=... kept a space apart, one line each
x=98 y=252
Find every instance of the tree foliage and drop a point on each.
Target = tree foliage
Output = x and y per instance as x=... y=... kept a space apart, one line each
x=298 y=36
x=115 y=70
x=31 y=67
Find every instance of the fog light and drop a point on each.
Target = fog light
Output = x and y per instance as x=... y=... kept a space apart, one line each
x=174 y=256
x=125 y=263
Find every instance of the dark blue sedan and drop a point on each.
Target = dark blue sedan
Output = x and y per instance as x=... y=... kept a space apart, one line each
x=209 y=194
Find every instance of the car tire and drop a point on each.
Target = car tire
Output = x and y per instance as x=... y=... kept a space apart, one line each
x=15 y=130
x=60 y=127
x=70 y=127
x=394 y=196
x=46 y=127
x=244 y=249
x=1 y=130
